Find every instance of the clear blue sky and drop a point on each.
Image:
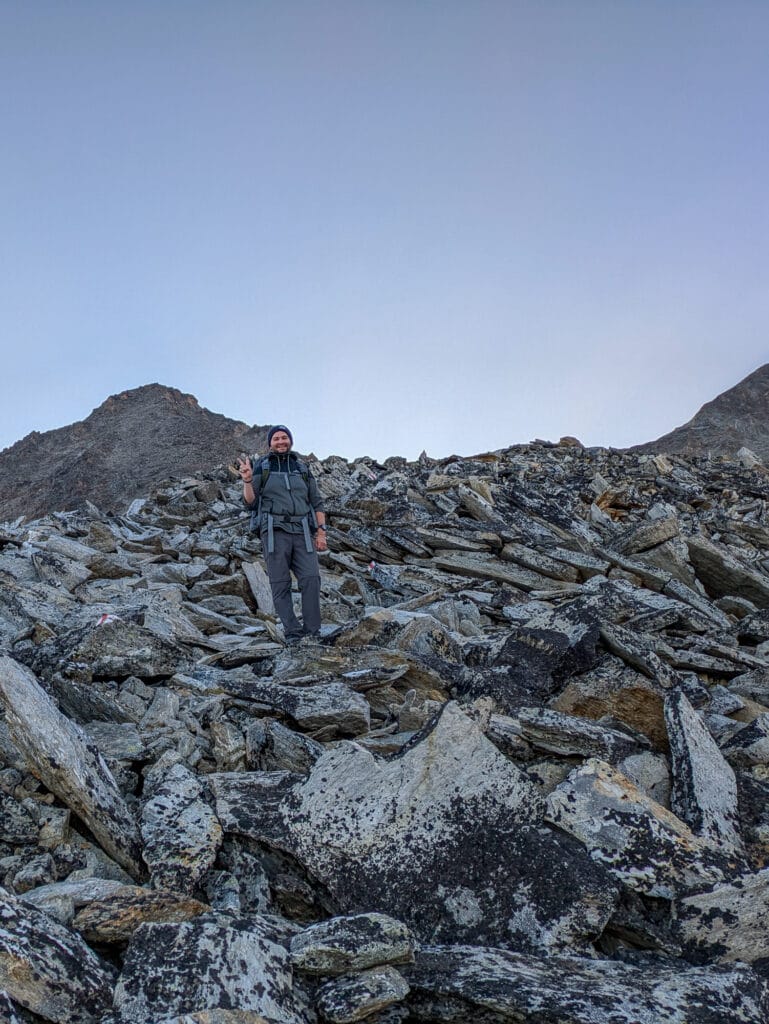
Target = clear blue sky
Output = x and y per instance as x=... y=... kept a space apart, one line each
x=394 y=225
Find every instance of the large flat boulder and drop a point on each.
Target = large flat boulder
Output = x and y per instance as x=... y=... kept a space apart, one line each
x=448 y=837
x=59 y=753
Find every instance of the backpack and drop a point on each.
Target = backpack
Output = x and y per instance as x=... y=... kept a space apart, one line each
x=263 y=465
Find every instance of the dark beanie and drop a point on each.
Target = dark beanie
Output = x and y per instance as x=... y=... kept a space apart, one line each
x=275 y=429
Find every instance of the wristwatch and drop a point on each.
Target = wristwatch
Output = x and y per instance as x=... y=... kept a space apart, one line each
x=320 y=527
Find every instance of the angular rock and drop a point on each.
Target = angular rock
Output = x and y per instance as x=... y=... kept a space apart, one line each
x=465 y=983
x=343 y=944
x=48 y=969
x=645 y=846
x=619 y=691
x=356 y=997
x=731 y=922
x=205 y=964
x=250 y=804
x=750 y=745
x=704 y=791
x=119 y=649
x=403 y=838
x=569 y=735
x=114 y=918
x=59 y=754
x=180 y=831
x=320 y=706
x=722 y=575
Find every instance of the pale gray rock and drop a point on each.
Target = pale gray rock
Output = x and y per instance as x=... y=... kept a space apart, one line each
x=641 y=843
x=343 y=944
x=48 y=969
x=722 y=574
x=358 y=996
x=181 y=833
x=704 y=793
x=205 y=964
x=462 y=983
x=731 y=922
x=402 y=837
x=651 y=773
x=58 y=752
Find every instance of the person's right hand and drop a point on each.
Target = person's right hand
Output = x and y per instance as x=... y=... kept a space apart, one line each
x=243 y=467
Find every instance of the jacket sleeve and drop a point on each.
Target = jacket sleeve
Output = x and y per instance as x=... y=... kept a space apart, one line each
x=256 y=483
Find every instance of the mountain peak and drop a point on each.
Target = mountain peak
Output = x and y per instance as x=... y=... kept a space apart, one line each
x=737 y=418
x=132 y=441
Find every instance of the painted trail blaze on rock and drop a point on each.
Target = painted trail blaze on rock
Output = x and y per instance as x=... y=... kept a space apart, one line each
x=449 y=838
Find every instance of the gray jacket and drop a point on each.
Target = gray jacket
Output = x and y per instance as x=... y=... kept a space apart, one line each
x=288 y=495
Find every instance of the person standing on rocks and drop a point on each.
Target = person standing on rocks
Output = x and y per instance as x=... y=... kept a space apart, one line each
x=287 y=509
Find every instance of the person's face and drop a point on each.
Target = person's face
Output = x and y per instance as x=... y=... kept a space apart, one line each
x=281 y=442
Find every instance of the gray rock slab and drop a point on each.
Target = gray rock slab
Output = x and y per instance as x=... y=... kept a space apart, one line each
x=570 y=735
x=404 y=837
x=48 y=969
x=722 y=574
x=181 y=832
x=644 y=845
x=118 y=740
x=118 y=649
x=358 y=996
x=355 y=943
x=316 y=706
x=704 y=793
x=59 y=754
x=453 y=980
x=114 y=918
x=250 y=804
x=750 y=745
x=731 y=922
x=209 y=963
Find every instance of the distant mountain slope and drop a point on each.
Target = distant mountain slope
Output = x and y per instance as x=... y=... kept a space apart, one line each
x=133 y=441
x=737 y=418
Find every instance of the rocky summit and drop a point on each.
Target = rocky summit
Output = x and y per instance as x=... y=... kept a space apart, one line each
x=132 y=442
x=738 y=418
x=523 y=776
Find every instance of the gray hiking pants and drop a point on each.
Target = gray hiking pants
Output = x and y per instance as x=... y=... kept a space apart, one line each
x=290 y=554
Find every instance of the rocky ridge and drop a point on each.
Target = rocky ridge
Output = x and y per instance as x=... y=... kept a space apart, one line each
x=132 y=442
x=737 y=418
x=523 y=776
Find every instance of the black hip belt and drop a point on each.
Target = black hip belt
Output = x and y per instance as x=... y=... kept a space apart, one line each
x=271 y=520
